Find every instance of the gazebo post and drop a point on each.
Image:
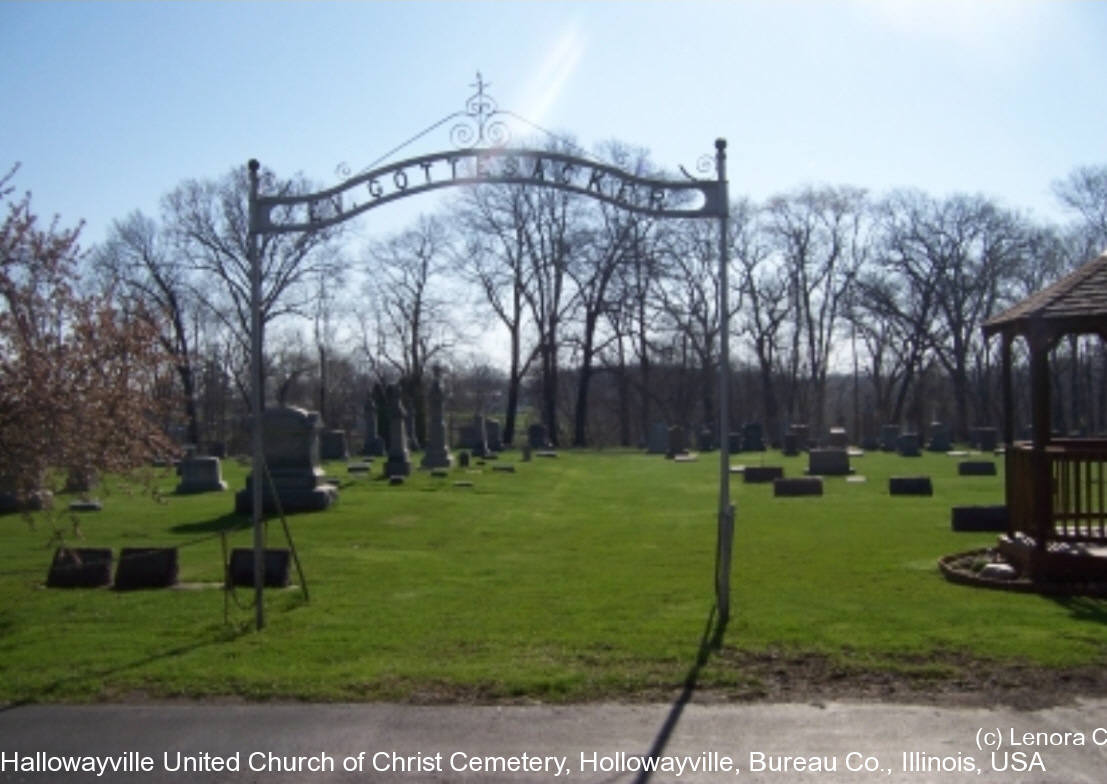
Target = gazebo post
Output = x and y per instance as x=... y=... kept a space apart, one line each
x=1040 y=407
x=1008 y=424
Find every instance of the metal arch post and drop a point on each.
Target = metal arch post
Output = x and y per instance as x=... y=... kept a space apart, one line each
x=256 y=396
x=726 y=511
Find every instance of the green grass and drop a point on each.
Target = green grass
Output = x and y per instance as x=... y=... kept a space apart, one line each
x=582 y=577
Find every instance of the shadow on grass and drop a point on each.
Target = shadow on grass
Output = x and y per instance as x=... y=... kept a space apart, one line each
x=1083 y=608
x=227 y=634
x=708 y=642
x=228 y=522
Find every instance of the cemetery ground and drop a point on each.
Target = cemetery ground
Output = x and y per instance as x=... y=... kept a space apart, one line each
x=582 y=578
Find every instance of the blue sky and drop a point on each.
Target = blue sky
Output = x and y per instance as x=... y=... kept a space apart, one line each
x=108 y=106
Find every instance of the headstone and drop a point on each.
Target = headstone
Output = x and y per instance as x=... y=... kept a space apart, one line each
x=910 y=485
x=791 y=444
x=463 y=459
x=797 y=485
x=80 y=480
x=658 y=442
x=889 y=438
x=837 y=438
x=274 y=567
x=86 y=505
x=396 y=479
x=939 y=438
x=363 y=467
x=399 y=458
x=752 y=437
x=526 y=453
x=908 y=445
x=291 y=438
x=374 y=444
x=80 y=567
x=437 y=454
x=678 y=442
x=146 y=567
x=201 y=475
x=828 y=462
x=538 y=437
x=506 y=468
x=412 y=435
x=802 y=436
x=217 y=449
x=332 y=445
x=979 y=518
x=493 y=432
x=733 y=443
x=870 y=443
x=757 y=474
x=987 y=438
x=705 y=440
x=479 y=445
x=976 y=468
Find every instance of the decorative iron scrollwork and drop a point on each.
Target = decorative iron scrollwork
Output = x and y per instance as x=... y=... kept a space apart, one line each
x=480 y=123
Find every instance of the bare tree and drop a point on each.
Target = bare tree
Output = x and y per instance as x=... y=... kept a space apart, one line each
x=404 y=272
x=821 y=238
x=1084 y=192
x=494 y=260
x=138 y=261
x=207 y=220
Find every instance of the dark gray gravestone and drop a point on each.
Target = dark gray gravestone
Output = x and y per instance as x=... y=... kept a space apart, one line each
x=798 y=485
x=494 y=433
x=801 y=432
x=479 y=445
x=733 y=443
x=910 y=485
x=658 y=441
x=538 y=437
x=80 y=567
x=939 y=438
x=828 y=462
x=291 y=438
x=992 y=519
x=437 y=454
x=753 y=437
x=986 y=439
x=399 y=457
x=678 y=442
x=791 y=445
x=332 y=445
x=146 y=567
x=837 y=438
x=889 y=438
x=200 y=475
x=756 y=474
x=976 y=468
x=463 y=459
x=240 y=571
x=908 y=445
x=374 y=444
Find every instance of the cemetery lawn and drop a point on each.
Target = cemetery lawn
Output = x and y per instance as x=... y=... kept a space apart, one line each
x=585 y=577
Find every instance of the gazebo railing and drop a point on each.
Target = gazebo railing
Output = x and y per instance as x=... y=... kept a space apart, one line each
x=1077 y=470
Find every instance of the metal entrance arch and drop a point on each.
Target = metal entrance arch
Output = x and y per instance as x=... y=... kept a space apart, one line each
x=482 y=158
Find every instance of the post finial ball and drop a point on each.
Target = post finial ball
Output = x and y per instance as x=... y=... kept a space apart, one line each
x=253 y=164
x=720 y=144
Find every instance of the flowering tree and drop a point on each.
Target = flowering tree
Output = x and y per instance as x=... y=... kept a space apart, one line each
x=77 y=375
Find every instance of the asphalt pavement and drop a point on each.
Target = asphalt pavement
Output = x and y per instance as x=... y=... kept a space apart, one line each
x=272 y=743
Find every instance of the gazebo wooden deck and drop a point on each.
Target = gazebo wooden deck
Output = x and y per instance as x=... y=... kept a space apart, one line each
x=1055 y=487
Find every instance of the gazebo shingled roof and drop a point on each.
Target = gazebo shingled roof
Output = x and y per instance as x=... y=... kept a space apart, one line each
x=1075 y=304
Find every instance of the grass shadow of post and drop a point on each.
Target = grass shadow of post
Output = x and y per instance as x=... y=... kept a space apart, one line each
x=712 y=639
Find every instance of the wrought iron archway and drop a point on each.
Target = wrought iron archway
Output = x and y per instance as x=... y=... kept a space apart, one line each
x=480 y=133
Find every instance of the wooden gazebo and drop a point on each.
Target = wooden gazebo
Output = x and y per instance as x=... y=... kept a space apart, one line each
x=1055 y=487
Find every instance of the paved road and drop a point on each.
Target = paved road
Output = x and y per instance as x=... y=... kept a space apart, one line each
x=585 y=743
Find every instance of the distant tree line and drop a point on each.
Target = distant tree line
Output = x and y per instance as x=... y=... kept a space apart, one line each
x=848 y=308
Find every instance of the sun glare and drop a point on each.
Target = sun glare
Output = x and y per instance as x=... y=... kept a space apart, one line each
x=554 y=71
